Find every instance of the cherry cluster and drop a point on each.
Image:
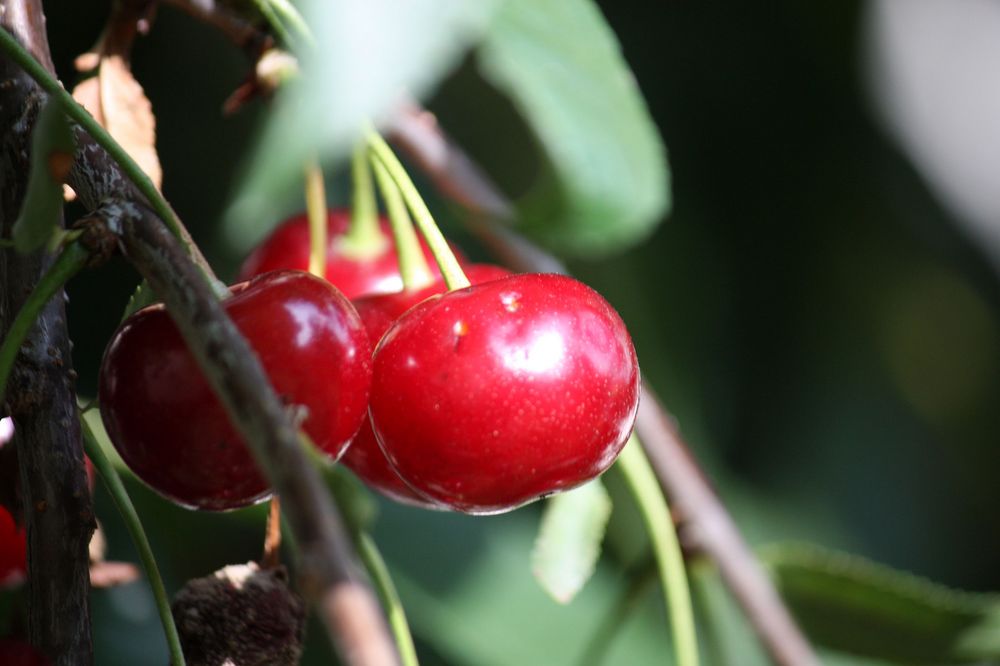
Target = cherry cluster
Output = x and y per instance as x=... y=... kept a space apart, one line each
x=478 y=399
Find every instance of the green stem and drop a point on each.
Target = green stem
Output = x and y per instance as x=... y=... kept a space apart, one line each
x=382 y=580
x=454 y=277
x=280 y=12
x=119 y=495
x=364 y=238
x=412 y=264
x=74 y=110
x=69 y=262
x=652 y=504
x=316 y=212
x=267 y=11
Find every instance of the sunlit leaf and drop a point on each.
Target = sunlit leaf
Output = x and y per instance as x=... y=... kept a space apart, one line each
x=368 y=56
x=52 y=148
x=569 y=540
x=851 y=604
x=608 y=183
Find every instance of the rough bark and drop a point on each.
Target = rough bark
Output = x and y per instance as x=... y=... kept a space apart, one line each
x=40 y=397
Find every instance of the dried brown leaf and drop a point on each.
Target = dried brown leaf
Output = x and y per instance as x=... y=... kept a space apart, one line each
x=128 y=115
x=119 y=104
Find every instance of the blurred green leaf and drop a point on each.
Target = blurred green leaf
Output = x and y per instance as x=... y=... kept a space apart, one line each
x=851 y=604
x=569 y=540
x=562 y=65
x=469 y=594
x=368 y=56
x=52 y=148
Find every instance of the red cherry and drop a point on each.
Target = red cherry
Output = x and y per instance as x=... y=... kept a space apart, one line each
x=288 y=248
x=18 y=653
x=501 y=393
x=166 y=422
x=379 y=312
x=13 y=552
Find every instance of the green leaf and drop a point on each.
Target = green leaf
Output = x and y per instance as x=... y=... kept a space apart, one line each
x=561 y=64
x=52 y=149
x=470 y=597
x=569 y=540
x=854 y=605
x=368 y=55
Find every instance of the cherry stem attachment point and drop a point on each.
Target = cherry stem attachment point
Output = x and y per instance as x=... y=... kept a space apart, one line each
x=69 y=262
x=412 y=264
x=652 y=504
x=315 y=192
x=452 y=272
x=113 y=482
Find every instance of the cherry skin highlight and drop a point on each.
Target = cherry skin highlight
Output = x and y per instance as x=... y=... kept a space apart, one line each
x=171 y=430
x=288 y=248
x=498 y=394
x=379 y=312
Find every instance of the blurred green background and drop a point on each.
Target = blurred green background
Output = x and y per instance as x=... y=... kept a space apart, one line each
x=824 y=332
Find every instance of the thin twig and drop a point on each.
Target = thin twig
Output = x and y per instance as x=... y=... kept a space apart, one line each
x=236 y=26
x=705 y=521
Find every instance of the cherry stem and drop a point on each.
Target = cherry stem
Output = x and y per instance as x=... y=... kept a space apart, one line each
x=316 y=212
x=652 y=504
x=69 y=262
x=272 y=536
x=412 y=264
x=382 y=581
x=113 y=482
x=364 y=238
x=103 y=138
x=452 y=272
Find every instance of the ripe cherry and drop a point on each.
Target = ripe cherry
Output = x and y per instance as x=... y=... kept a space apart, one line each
x=354 y=272
x=171 y=430
x=379 y=312
x=13 y=562
x=498 y=394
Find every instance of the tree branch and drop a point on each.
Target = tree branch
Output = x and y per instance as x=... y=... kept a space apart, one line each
x=328 y=573
x=58 y=512
x=237 y=27
x=704 y=520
